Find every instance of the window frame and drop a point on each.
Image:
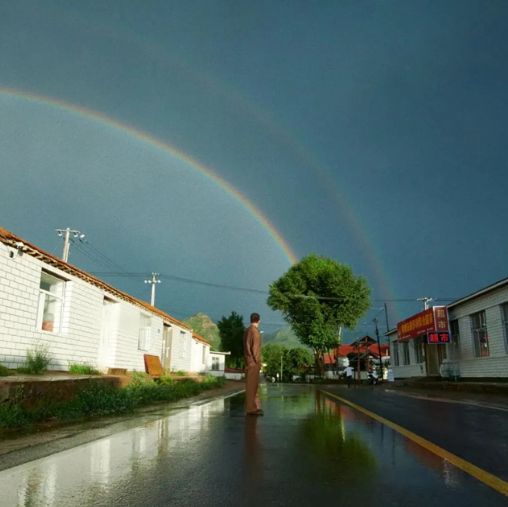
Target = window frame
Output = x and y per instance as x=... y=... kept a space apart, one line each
x=475 y=333
x=43 y=294
x=183 y=345
x=395 y=351
x=406 y=353
x=203 y=360
x=504 y=320
x=215 y=363
x=419 y=347
x=145 y=332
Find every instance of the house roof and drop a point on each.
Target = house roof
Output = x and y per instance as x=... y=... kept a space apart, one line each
x=11 y=239
x=329 y=358
x=362 y=341
x=344 y=350
x=496 y=285
x=385 y=349
x=201 y=339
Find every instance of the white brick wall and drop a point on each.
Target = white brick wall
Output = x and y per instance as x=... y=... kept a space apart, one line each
x=414 y=369
x=495 y=365
x=197 y=364
x=79 y=337
x=178 y=362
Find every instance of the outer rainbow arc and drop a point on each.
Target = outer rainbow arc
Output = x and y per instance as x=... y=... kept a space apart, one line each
x=148 y=138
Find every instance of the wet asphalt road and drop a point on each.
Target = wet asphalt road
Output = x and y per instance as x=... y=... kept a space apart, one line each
x=308 y=449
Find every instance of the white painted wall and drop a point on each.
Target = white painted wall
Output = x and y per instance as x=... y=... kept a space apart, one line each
x=222 y=364
x=79 y=336
x=181 y=349
x=197 y=363
x=413 y=369
x=495 y=365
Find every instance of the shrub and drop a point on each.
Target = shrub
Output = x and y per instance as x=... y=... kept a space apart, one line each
x=83 y=369
x=4 y=371
x=98 y=398
x=37 y=360
x=167 y=380
x=181 y=373
x=140 y=378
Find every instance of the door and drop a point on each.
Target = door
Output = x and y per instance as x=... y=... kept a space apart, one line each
x=106 y=328
x=167 y=341
x=432 y=359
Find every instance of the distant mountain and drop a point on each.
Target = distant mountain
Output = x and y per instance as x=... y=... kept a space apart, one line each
x=284 y=337
x=205 y=327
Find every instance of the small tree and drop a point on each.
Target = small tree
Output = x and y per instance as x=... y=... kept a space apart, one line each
x=231 y=331
x=271 y=357
x=317 y=297
x=296 y=361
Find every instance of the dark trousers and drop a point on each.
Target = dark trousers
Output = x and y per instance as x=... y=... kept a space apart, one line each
x=251 y=389
x=349 y=378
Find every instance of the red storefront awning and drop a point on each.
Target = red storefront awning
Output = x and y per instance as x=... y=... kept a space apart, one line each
x=429 y=321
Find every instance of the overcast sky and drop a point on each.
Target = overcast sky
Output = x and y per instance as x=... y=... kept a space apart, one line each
x=373 y=132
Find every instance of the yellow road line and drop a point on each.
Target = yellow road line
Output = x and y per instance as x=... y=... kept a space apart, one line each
x=483 y=476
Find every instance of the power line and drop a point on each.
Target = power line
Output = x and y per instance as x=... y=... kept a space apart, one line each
x=257 y=291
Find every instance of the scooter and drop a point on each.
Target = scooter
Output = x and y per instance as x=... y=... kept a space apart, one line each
x=372 y=378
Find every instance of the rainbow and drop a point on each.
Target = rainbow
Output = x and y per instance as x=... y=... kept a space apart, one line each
x=161 y=145
x=256 y=112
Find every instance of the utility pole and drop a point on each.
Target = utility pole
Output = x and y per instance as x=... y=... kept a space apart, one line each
x=281 y=356
x=153 y=281
x=66 y=233
x=379 y=350
x=426 y=302
x=386 y=317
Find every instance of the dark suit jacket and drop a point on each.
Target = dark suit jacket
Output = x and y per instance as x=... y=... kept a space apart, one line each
x=252 y=345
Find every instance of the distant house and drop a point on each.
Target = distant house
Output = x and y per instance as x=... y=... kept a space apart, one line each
x=83 y=319
x=217 y=363
x=347 y=354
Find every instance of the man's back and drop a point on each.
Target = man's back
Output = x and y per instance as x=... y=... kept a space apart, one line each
x=252 y=345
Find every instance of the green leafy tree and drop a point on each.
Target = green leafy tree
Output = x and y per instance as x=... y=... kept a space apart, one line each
x=231 y=331
x=317 y=297
x=296 y=362
x=271 y=355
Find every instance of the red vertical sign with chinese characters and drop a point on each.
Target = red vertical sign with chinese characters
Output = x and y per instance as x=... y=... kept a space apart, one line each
x=441 y=319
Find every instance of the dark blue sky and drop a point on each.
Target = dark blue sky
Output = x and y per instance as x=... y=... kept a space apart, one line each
x=373 y=132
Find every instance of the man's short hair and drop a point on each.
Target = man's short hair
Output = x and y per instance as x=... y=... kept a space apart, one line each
x=254 y=318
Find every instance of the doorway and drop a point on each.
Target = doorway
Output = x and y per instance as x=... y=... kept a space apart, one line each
x=106 y=332
x=167 y=342
x=434 y=355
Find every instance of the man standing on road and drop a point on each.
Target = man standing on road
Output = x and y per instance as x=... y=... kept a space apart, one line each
x=252 y=353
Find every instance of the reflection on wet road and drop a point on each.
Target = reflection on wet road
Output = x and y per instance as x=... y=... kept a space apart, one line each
x=307 y=449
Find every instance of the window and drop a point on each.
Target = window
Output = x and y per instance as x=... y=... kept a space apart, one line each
x=419 y=350
x=454 y=339
x=145 y=334
x=480 y=336
x=204 y=355
x=395 y=353
x=183 y=344
x=215 y=363
x=50 y=302
x=505 y=323
x=405 y=353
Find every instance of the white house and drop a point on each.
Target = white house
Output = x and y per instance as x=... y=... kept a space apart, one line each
x=44 y=300
x=478 y=345
x=479 y=333
x=217 y=363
